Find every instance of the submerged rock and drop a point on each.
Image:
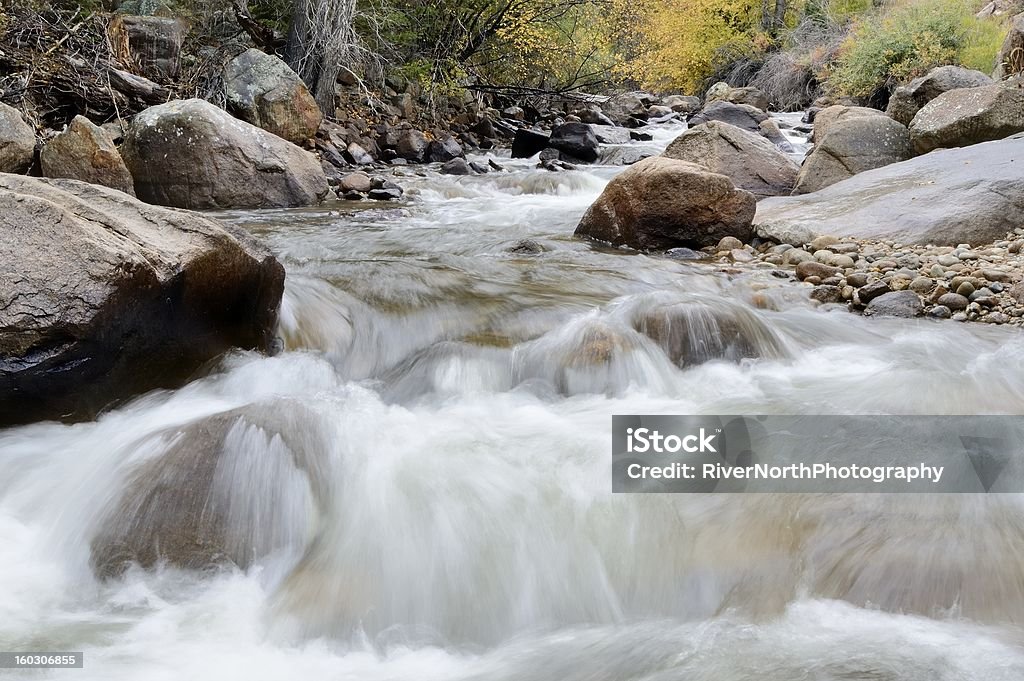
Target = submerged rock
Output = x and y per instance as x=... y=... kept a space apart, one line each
x=661 y=202
x=190 y=154
x=226 y=489
x=103 y=296
x=697 y=331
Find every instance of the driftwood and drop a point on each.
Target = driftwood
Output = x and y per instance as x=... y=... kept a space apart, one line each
x=138 y=87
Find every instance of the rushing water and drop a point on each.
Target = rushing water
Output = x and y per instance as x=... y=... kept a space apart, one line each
x=419 y=486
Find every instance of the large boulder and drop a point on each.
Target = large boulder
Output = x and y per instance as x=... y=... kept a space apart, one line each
x=17 y=141
x=1010 y=61
x=226 y=489
x=576 y=140
x=627 y=109
x=412 y=145
x=684 y=104
x=150 y=43
x=959 y=118
x=529 y=142
x=752 y=162
x=661 y=202
x=852 y=146
x=829 y=116
x=84 y=151
x=264 y=91
x=738 y=95
x=103 y=296
x=907 y=100
x=190 y=154
x=742 y=116
x=968 y=195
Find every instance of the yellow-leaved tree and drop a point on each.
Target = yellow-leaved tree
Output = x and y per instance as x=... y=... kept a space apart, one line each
x=673 y=44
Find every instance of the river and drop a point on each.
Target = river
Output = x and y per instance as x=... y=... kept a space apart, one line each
x=419 y=484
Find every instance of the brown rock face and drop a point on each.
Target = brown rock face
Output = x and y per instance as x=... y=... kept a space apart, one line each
x=749 y=160
x=661 y=202
x=85 y=152
x=103 y=297
x=190 y=154
x=264 y=91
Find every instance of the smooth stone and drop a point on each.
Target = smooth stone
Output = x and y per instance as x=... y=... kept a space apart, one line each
x=728 y=243
x=827 y=293
x=940 y=312
x=895 y=304
x=869 y=292
x=954 y=301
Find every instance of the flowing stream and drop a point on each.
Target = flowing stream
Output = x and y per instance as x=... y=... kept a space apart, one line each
x=418 y=487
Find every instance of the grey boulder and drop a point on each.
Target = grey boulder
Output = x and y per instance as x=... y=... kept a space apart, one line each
x=852 y=146
x=264 y=91
x=191 y=154
x=968 y=195
x=959 y=118
x=752 y=162
x=104 y=296
x=17 y=141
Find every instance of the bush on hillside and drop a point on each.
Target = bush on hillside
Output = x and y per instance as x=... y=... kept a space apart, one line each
x=886 y=49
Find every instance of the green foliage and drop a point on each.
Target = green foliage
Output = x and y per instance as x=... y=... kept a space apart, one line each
x=884 y=49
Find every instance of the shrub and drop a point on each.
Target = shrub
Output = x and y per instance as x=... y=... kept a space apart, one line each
x=885 y=49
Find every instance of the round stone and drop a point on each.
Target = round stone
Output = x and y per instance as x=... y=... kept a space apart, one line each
x=948 y=260
x=940 y=312
x=729 y=243
x=740 y=255
x=922 y=285
x=843 y=261
x=965 y=289
x=954 y=301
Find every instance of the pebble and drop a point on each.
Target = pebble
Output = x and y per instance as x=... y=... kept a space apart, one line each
x=954 y=301
x=857 y=279
x=823 y=241
x=843 y=261
x=869 y=292
x=940 y=312
x=965 y=289
x=948 y=260
x=922 y=285
x=729 y=243
x=827 y=294
x=810 y=268
x=795 y=256
x=740 y=255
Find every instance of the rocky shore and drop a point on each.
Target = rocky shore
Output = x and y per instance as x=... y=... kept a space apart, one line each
x=885 y=278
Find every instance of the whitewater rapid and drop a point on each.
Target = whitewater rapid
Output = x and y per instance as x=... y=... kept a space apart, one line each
x=418 y=487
